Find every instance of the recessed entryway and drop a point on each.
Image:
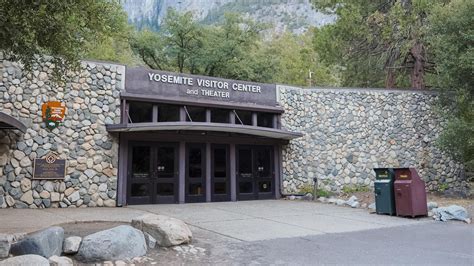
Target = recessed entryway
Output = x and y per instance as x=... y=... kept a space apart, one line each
x=152 y=173
x=158 y=172
x=255 y=172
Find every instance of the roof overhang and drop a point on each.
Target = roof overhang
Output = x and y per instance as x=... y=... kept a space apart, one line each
x=204 y=126
x=9 y=122
x=201 y=102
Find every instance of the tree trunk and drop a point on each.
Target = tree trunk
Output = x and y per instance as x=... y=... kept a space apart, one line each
x=390 y=79
x=418 y=72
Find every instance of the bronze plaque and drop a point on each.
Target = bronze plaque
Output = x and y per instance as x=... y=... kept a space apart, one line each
x=49 y=168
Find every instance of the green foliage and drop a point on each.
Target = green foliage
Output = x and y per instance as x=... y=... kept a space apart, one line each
x=184 y=45
x=377 y=43
x=443 y=187
x=296 y=58
x=323 y=193
x=306 y=188
x=116 y=45
x=231 y=49
x=458 y=139
x=61 y=29
x=320 y=192
x=451 y=36
x=353 y=189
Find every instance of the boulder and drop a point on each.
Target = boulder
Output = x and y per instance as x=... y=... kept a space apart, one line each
x=166 y=230
x=25 y=260
x=71 y=244
x=351 y=201
x=322 y=199
x=340 y=202
x=308 y=197
x=59 y=261
x=46 y=243
x=4 y=246
x=453 y=212
x=432 y=205
x=121 y=242
x=355 y=204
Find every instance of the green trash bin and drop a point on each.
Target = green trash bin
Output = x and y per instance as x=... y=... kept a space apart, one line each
x=384 y=194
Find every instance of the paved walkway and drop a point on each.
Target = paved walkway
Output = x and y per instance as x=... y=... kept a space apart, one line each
x=241 y=221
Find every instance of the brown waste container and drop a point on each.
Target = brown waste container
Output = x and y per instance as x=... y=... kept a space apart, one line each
x=410 y=193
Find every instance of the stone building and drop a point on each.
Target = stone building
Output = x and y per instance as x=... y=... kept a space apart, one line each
x=137 y=136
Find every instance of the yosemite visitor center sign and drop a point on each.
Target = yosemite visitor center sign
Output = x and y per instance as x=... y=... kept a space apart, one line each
x=193 y=87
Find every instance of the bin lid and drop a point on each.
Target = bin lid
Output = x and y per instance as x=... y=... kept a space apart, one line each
x=384 y=173
x=405 y=173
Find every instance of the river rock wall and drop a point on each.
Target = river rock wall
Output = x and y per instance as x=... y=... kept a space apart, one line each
x=91 y=95
x=348 y=132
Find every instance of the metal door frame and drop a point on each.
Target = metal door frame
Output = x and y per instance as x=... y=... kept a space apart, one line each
x=153 y=180
x=255 y=178
x=202 y=180
x=226 y=179
x=149 y=180
x=271 y=178
x=170 y=180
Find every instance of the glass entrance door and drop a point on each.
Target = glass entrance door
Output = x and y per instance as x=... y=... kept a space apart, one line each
x=220 y=185
x=166 y=173
x=152 y=173
x=140 y=174
x=255 y=172
x=195 y=173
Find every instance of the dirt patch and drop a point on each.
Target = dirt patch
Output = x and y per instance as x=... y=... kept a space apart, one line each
x=363 y=197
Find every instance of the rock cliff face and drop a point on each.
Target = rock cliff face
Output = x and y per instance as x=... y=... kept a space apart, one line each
x=292 y=15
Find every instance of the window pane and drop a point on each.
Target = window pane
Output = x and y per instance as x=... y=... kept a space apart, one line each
x=245 y=187
x=198 y=114
x=195 y=162
x=245 y=163
x=265 y=119
x=168 y=113
x=166 y=162
x=165 y=189
x=220 y=188
x=220 y=163
x=140 y=162
x=219 y=116
x=139 y=190
x=140 y=112
x=262 y=159
x=195 y=189
x=245 y=117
